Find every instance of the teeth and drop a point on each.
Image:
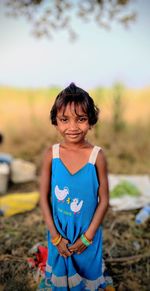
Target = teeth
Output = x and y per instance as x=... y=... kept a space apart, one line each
x=73 y=134
x=76 y=134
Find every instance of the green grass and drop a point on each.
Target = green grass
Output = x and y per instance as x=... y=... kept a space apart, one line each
x=124 y=188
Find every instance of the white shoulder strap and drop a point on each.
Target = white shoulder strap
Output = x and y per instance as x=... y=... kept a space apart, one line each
x=93 y=155
x=55 y=151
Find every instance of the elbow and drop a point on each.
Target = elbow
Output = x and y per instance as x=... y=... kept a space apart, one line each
x=42 y=201
x=105 y=204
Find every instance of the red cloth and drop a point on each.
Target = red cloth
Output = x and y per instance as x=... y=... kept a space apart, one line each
x=40 y=257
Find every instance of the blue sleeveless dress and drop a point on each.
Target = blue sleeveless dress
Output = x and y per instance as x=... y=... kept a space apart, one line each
x=74 y=200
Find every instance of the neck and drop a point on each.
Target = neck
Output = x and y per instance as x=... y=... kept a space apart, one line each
x=74 y=146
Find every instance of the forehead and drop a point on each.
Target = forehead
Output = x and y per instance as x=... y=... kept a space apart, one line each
x=72 y=109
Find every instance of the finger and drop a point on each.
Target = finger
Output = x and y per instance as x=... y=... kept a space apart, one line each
x=73 y=248
x=62 y=253
x=68 y=253
x=64 y=256
x=62 y=246
x=81 y=249
x=77 y=248
x=65 y=241
x=64 y=250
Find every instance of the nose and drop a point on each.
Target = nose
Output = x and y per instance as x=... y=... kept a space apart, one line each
x=73 y=125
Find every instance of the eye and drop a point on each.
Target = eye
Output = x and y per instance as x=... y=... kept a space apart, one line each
x=64 y=120
x=82 y=119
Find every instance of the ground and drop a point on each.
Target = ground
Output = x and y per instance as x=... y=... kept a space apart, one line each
x=126 y=249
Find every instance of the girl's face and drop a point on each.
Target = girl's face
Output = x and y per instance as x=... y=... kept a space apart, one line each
x=72 y=123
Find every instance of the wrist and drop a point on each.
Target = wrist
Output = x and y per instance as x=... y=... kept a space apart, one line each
x=89 y=235
x=54 y=234
x=85 y=240
x=56 y=240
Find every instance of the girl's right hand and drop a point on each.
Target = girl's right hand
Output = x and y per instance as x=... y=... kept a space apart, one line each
x=62 y=248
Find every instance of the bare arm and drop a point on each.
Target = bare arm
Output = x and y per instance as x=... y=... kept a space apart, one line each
x=103 y=192
x=102 y=207
x=45 y=192
x=45 y=204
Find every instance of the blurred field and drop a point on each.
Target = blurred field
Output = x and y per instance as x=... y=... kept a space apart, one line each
x=24 y=121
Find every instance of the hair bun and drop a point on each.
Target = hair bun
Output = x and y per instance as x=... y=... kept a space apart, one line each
x=72 y=87
x=72 y=84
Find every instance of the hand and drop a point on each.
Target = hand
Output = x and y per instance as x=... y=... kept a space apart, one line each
x=62 y=248
x=78 y=247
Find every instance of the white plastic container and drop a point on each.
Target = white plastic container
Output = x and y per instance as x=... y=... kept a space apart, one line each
x=4 y=177
x=22 y=171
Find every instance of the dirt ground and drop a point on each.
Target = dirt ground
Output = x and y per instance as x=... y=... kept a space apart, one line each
x=126 y=249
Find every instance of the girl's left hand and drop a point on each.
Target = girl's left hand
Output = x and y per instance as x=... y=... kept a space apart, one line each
x=78 y=247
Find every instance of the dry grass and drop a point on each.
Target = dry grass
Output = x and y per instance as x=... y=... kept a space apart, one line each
x=24 y=120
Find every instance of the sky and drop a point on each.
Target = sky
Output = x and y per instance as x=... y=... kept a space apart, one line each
x=98 y=58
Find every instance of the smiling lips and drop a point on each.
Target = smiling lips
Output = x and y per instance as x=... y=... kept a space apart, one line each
x=73 y=134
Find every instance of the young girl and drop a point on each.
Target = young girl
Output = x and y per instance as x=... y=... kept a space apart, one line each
x=74 y=196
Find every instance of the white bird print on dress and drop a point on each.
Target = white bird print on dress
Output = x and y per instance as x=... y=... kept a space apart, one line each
x=75 y=207
x=61 y=194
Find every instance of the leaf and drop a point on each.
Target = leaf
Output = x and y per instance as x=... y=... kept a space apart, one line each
x=124 y=188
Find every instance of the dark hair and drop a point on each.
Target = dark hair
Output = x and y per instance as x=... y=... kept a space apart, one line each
x=78 y=96
x=1 y=138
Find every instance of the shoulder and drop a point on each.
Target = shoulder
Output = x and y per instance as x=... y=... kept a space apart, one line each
x=101 y=155
x=101 y=162
x=47 y=155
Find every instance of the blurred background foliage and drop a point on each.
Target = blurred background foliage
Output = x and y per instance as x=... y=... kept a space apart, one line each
x=47 y=17
x=123 y=128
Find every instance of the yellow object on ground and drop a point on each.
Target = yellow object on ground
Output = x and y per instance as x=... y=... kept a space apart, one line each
x=12 y=204
x=109 y=288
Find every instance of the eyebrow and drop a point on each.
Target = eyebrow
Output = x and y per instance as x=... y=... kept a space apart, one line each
x=78 y=115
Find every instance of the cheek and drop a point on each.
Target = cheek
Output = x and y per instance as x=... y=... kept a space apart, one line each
x=85 y=127
x=61 y=127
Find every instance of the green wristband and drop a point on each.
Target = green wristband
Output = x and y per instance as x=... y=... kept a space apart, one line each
x=84 y=240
